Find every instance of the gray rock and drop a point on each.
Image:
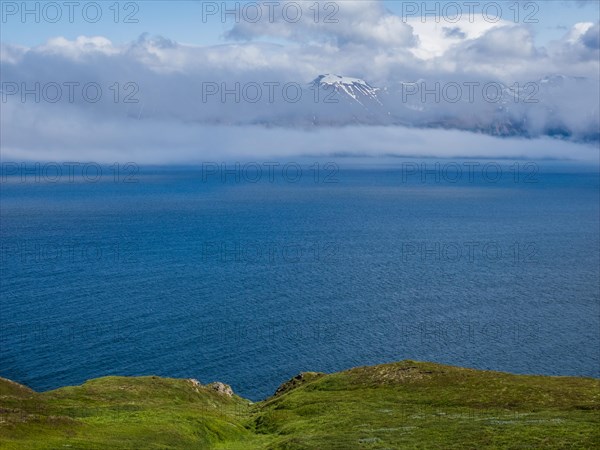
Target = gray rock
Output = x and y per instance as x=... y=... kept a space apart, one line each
x=194 y=382
x=221 y=388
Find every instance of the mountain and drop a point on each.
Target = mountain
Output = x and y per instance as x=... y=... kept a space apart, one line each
x=526 y=109
x=356 y=89
x=400 y=405
x=336 y=100
x=554 y=105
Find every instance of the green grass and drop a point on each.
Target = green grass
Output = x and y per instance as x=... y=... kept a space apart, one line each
x=392 y=406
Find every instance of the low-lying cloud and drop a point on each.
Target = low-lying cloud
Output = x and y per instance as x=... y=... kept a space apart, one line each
x=72 y=136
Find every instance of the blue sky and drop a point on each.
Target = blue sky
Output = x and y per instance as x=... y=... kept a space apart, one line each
x=182 y=21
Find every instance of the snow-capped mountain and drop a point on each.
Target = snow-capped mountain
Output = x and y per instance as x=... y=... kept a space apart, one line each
x=555 y=105
x=342 y=100
x=355 y=88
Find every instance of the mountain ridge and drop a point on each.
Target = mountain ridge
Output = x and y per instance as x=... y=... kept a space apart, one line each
x=519 y=110
x=528 y=110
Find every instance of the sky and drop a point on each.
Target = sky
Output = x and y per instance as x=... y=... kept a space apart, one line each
x=161 y=54
x=182 y=21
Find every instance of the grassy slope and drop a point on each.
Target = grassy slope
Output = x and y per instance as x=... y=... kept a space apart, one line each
x=400 y=405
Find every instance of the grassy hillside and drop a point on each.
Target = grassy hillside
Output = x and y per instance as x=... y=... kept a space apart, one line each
x=401 y=405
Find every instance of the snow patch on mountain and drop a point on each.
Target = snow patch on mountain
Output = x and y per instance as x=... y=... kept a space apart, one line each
x=355 y=88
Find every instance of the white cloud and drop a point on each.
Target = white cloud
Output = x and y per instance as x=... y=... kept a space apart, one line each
x=40 y=135
x=79 y=47
x=353 y=23
x=435 y=39
x=591 y=37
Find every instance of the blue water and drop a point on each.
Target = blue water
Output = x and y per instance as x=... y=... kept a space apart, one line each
x=251 y=283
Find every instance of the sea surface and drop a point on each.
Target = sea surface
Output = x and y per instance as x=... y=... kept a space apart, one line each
x=245 y=277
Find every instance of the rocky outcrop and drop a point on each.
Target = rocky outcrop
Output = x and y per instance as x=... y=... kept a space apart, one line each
x=217 y=386
x=301 y=378
x=195 y=382
x=221 y=388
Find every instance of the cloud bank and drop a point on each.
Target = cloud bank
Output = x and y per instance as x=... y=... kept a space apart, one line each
x=153 y=103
